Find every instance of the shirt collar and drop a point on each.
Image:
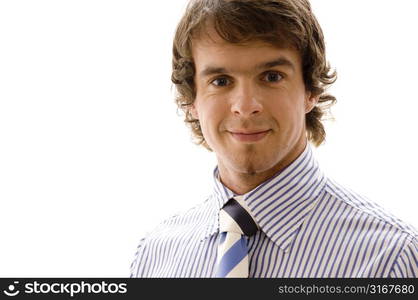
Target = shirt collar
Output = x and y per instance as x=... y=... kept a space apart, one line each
x=280 y=204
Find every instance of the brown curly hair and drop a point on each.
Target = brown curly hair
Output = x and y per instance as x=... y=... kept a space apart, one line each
x=283 y=23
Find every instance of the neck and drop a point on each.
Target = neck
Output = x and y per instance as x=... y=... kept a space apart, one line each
x=243 y=182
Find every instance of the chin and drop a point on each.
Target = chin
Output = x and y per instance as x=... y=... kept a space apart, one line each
x=252 y=167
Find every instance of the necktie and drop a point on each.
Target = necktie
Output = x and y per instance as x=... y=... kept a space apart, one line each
x=235 y=222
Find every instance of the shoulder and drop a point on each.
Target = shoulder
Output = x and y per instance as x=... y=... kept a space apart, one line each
x=394 y=242
x=365 y=206
x=192 y=221
x=191 y=217
x=178 y=230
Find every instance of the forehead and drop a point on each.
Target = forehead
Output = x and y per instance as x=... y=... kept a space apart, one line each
x=210 y=50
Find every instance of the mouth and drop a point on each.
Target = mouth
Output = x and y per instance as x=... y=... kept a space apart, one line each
x=248 y=136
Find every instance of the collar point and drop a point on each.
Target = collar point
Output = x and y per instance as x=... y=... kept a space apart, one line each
x=285 y=248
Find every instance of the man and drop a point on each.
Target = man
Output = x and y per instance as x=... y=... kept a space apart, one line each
x=251 y=79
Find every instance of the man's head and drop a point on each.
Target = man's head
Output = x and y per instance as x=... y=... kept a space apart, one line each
x=243 y=67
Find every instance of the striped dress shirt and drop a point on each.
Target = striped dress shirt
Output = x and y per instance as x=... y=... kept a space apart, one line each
x=310 y=226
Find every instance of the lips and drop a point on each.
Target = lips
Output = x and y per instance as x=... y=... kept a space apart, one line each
x=249 y=132
x=249 y=136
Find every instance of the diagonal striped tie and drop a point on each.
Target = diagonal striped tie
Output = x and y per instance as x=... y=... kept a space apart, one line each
x=235 y=221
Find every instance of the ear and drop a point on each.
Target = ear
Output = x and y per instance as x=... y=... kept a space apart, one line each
x=310 y=102
x=193 y=111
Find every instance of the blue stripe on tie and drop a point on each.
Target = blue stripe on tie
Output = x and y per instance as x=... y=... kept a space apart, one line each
x=232 y=257
x=223 y=237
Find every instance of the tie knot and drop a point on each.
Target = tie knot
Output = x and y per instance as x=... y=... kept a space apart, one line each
x=236 y=217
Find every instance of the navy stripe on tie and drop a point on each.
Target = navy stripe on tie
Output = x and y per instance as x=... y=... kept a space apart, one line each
x=241 y=216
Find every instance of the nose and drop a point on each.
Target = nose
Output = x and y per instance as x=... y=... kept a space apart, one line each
x=245 y=102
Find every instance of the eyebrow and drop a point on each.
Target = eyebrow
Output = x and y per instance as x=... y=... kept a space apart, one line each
x=281 y=61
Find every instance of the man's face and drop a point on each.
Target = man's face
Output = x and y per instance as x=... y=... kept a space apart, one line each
x=251 y=103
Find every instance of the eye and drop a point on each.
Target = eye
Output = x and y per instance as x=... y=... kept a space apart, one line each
x=272 y=76
x=221 y=81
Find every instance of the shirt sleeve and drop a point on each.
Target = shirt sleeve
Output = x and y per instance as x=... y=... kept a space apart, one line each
x=134 y=270
x=406 y=265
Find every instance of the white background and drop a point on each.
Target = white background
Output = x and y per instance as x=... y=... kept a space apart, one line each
x=93 y=153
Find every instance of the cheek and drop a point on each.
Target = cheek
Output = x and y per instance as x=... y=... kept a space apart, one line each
x=287 y=116
x=213 y=111
x=213 y=123
x=209 y=118
x=289 y=105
